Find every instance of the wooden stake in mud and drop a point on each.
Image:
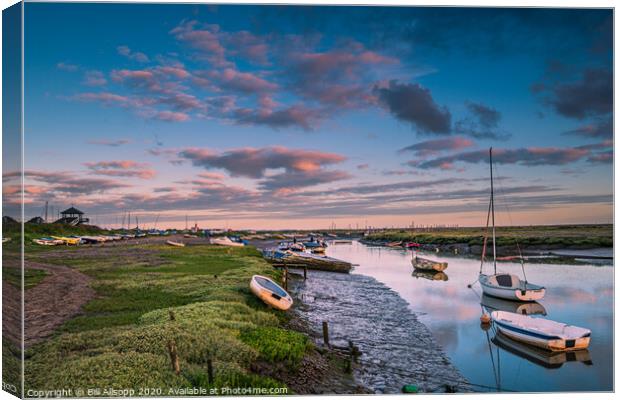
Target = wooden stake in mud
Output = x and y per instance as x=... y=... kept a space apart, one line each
x=305 y=272
x=174 y=357
x=325 y=333
x=210 y=370
x=286 y=278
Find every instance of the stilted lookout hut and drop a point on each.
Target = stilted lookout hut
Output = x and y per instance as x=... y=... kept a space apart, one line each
x=72 y=216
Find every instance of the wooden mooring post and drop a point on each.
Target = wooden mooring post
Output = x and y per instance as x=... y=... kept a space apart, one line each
x=210 y=370
x=174 y=357
x=286 y=278
x=305 y=272
x=325 y=333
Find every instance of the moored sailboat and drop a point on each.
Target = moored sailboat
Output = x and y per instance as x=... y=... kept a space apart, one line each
x=504 y=285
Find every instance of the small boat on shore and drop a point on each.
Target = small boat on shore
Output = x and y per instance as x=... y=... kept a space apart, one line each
x=427 y=265
x=302 y=259
x=69 y=241
x=48 y=241
x=342 y=242
x=545 y=358
x=542 y=333
x=176 y=244
x=225 y=241
x=394 y=244
x=4 y=240
x=270 y=292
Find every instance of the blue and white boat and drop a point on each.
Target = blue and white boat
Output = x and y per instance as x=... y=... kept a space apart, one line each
x=539 y=332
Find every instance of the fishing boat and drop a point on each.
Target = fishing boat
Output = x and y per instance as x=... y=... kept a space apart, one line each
x=491 y=304
x=430 y=275
x=176 y=244
x=48 y=241
x=225 y=241
x=540 y=332
x=427 y=265
x=544 y=358
x=302 y=259
x=270 y=292
x=504 y=285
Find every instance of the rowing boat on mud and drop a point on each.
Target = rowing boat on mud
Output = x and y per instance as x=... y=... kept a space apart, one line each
x=270 y=293
x=176 y=244
x=427 y=265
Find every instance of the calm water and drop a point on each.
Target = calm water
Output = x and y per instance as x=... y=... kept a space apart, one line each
x=580 y=295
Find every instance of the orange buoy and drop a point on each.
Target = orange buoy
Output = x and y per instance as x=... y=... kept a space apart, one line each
x=485 y=318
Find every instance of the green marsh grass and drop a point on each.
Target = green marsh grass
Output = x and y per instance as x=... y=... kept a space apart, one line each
x=121 y=340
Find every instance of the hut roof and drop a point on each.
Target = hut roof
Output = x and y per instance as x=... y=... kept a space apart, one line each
x=72 y=210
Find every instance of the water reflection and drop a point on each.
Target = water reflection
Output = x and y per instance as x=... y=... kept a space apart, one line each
x=430 y=275
x=495 y=304
x=580 y=295
x=546 y=359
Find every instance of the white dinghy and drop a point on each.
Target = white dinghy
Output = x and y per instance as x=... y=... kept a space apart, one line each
x=539 y=332
x=270 y=292
x=225 y=241
x=503 y=285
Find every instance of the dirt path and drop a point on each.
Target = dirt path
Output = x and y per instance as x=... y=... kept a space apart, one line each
x=59 y=297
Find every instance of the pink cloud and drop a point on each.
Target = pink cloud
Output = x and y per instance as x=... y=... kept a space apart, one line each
x=171 y=116
x=136 y=56
x=121 y=168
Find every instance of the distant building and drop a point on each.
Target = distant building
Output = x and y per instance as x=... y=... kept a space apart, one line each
x=72 y=216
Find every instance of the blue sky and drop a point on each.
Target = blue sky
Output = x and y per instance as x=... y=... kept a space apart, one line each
x=281 y=117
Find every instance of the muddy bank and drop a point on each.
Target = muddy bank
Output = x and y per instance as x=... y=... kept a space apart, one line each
x=396 y=348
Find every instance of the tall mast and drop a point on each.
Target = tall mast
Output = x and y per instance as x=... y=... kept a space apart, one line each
x=492 y=209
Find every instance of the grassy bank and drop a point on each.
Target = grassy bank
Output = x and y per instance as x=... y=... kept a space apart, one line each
x=197 y=297
x=559 y=235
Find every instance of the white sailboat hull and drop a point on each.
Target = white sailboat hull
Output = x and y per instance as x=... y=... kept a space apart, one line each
x=518 y=291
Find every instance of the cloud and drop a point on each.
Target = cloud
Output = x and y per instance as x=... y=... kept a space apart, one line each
x=338 y=77
x=111 y=143
x=171 y=116
x=103 y=97
x=69 y=183
x=412 y=103
x=590 y=96
x=135 y=56
x=600 y=128
x=293 y=116
x=243 y=82
x=433 y=147
x=483 y=122
x=67 y=67
x=94 y=78
x=254 y=162
x=362 y=166
x=122 y=168
x=290 y=181
x=528 y=156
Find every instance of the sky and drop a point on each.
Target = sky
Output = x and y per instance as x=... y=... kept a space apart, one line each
x=283 y=117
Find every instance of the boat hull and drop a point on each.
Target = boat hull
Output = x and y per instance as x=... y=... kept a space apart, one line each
x=428 y=265
x=269 y=297
x=537 y=338
x=176 y=244
x=510 y=293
